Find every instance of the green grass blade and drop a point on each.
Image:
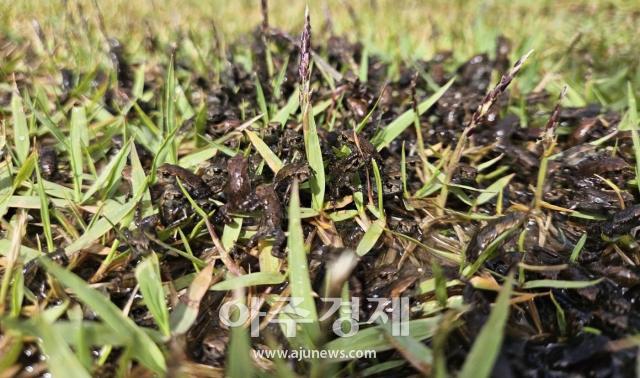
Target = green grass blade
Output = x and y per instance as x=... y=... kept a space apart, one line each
x=247 y=280
x=138 y=83
x=371 y=338
x=364 y=65
x=342 y=215
x=148 y=122
x=379 y=187
x=487 y=164
x=559 y=284
x=44 y=211
x=321 y=106
x=277 y=82
x=77 y=130
x=328 y=72
x=20 y=127
x=395 y=128
x=486 y=347
x=370 y=237
x=292 y=105
x=182 y=104
x=231 y=232
x=160 y=156
x=262 y=102
x=239 y=348
x=51 y=127
x=12 y=254
x=148 y=277
x=578 y=248
x=493 y=189
x=366 y=119
x=269 y=157
x=314 y=157
x=109 y=175
x=17 y=293
x=415 y=352
x=76 y=316
x=114 y=212
x=560 y=315
x=26 y=254
x=25 y=171
x=170 y=124
x=13 y=348
x=376 y=370
x=633 y=121
x=6 y=189
x=60 y=359
x=139 y=183
x=403 y=172
x=56 y=190
x=299 y=270
x=145 y=350
x=197 y=157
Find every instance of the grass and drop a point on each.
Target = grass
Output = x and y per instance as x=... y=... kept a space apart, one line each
x=299 y=272
x=579 y=38
x=479 y=362
x=140 y=343
x=148 y=276
x=589 y=49
x=395 y=128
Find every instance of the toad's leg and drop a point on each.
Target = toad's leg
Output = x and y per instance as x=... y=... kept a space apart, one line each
x=279 y=239
x=222 y=215
x=278 y=243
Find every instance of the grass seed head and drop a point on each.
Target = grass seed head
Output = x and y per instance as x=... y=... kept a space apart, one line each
x=264 y=8
x=490 y=99
x=414 y=98
x=305 y=55
x=548 y=138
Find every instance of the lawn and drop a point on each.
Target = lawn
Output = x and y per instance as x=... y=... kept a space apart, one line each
x=452 y=186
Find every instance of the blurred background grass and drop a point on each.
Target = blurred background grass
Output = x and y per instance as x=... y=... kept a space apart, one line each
x=590 y=45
